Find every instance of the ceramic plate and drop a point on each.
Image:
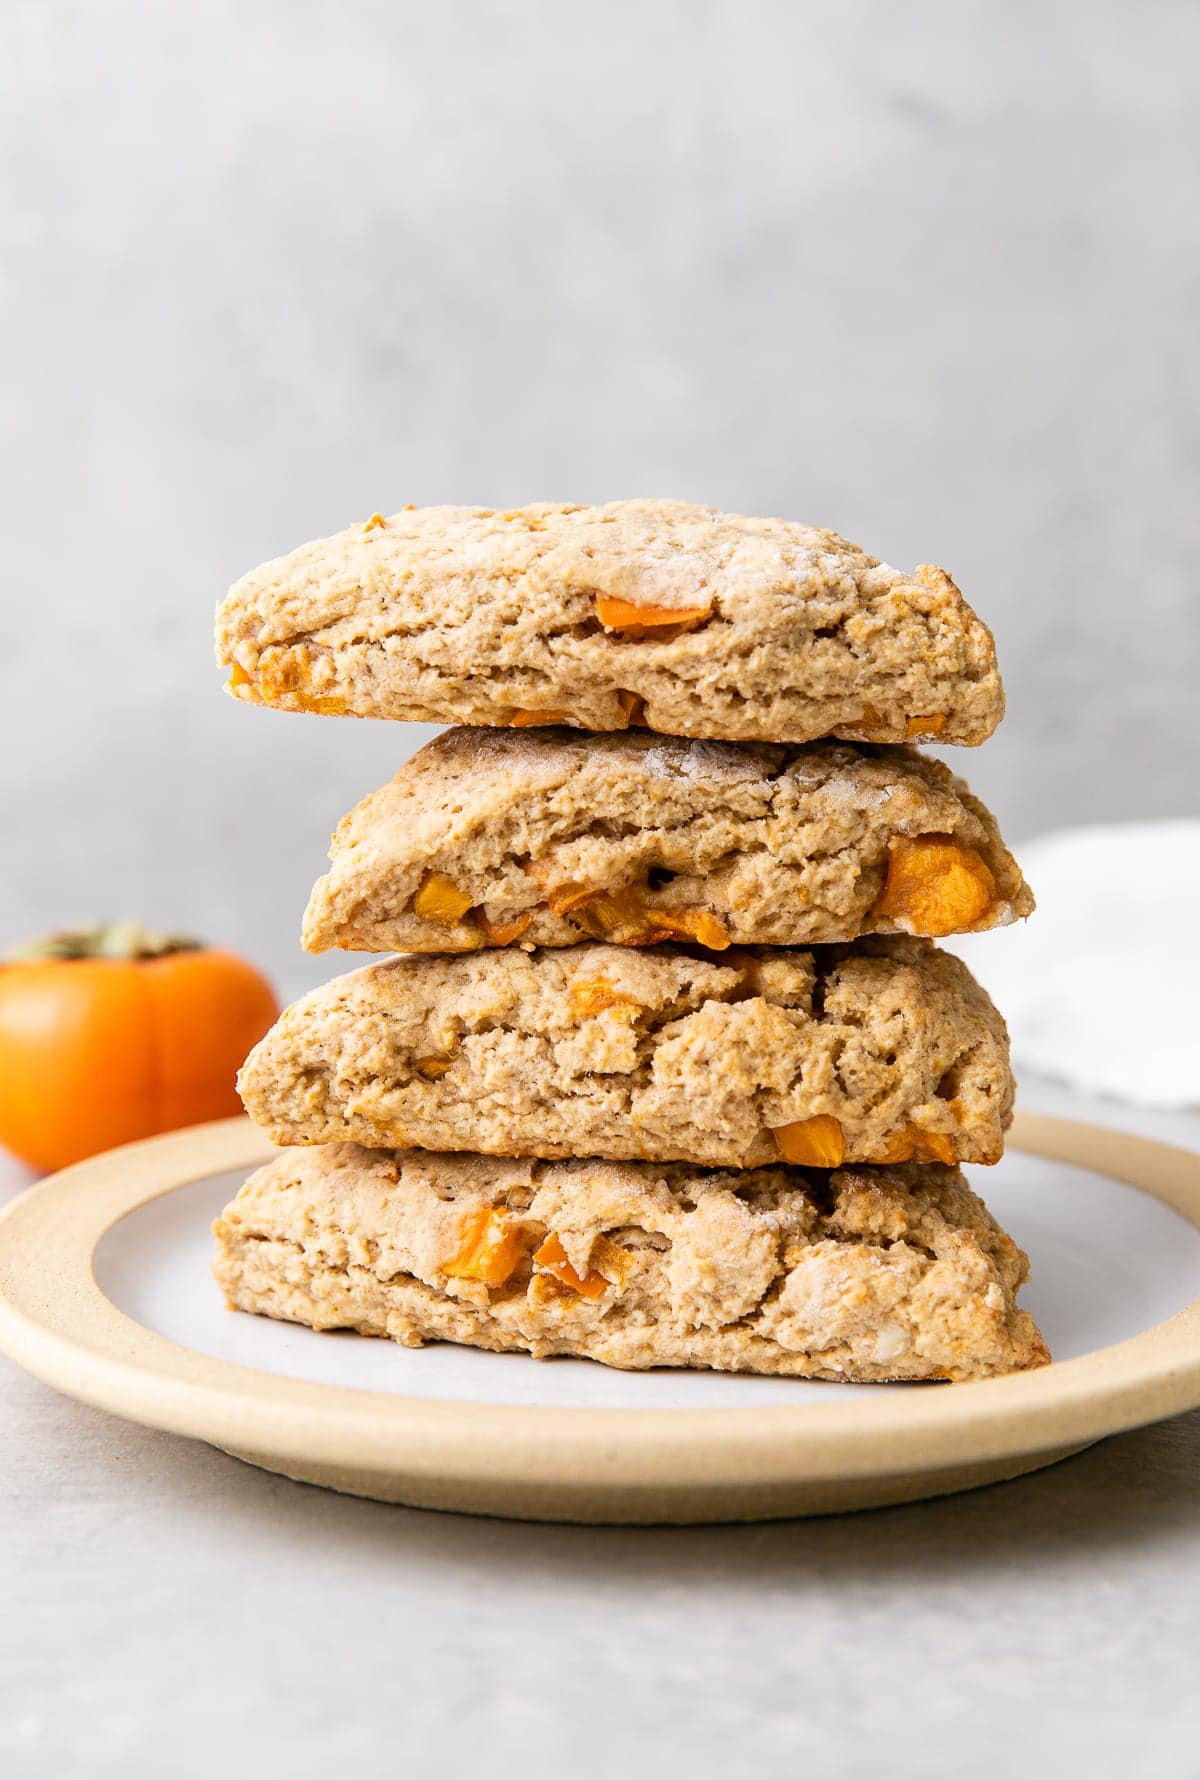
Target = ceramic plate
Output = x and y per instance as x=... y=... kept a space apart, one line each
x=105 y=1293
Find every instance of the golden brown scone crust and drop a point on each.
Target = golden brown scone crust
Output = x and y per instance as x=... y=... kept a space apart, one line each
x=864 y=1275
x=466 y=615
x=778 y=846
x=657 y=1054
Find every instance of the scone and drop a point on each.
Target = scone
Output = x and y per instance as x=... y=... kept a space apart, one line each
x=885 y=1051
x=863 y=1275
x=546 y=837
x=680 y=618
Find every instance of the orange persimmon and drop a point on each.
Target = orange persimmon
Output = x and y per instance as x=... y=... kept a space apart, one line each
x=637 y=620
x=115 y=1033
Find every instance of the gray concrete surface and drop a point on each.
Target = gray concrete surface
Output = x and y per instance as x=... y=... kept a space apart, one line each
x=168 y=1611
x=928 y=274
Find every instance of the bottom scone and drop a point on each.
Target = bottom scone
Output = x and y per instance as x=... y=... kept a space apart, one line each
x=865 y=1274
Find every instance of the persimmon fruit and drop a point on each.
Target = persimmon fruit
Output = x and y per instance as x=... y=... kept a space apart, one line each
x=114 y=1033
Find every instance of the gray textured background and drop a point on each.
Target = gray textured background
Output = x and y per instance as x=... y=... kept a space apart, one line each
x=928 y=274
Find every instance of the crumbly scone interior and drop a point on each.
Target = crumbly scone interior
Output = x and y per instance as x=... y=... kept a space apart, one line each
x=882 y=1052
x=884 y=1274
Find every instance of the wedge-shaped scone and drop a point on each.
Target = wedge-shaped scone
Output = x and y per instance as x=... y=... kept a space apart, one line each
x=683 y=619
x=886 y=1051
x=546 y=837
x=863 y=1275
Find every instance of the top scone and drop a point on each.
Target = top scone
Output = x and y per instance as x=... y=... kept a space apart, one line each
x=654 y=613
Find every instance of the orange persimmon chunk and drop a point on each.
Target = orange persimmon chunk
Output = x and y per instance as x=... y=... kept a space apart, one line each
x=934 y=1146
x=440 y=900
x=552 y=1258
x=615 y=915
x=935 y=885
x=872 y=725
x=636 y=620
x=239 y=677
x=570 y=896
x=695 y=924
x=596 y=996
x=912 y=1144
x=285 y=678
x=626 y=921
x=490 y=1247
x=331 y=706
x=523 y=719
x=633 y=706
x=818 y=1142
x=621 y=917
x=432 y=1068
x=503 y=933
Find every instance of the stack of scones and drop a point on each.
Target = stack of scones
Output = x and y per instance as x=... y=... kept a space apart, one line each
x=668 y=1071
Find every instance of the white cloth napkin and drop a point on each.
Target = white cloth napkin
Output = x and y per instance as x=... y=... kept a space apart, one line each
x=1101 y=986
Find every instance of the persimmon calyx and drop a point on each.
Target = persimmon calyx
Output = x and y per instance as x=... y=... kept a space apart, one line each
x=111 y=939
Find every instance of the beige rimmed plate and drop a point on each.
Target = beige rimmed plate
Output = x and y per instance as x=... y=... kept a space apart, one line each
x=105 y=1294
